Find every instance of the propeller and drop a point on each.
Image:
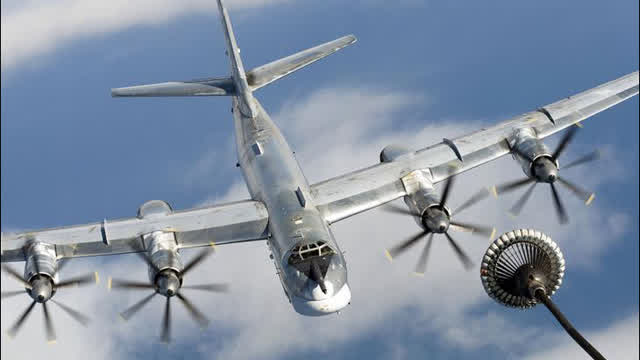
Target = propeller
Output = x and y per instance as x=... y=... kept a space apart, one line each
x=168 y=283
x=41 y=289
x=437 y=219
x=545 y=170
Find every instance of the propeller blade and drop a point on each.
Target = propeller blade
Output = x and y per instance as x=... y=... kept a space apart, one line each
x=48 y=324
x=466 y=261
x=562 y=213
x=124 y=284
x=14 y=274
x=513 y=185
x=193 y=311
x=446 y=191
x=217 y=288
x=479 y=196
x=395 y=209
x=519 y=205
x=405 y=245
x=18 y=324
x=585 y=159
x=77 y=281
x=197 y=260
x=127 y=314
x=166 y=323
x=564 y=142
x=8 y=294
x=76 y=315
x=581 y=193
x=421 y=267
x=475 y=229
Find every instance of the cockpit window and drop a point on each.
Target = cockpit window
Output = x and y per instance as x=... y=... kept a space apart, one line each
x=307 y=251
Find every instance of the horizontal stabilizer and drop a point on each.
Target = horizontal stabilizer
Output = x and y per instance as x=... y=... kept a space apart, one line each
x=266 y=74
x=203 y=87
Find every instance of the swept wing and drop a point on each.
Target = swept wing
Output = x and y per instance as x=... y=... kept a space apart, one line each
x=221 y=224
x=362 y=190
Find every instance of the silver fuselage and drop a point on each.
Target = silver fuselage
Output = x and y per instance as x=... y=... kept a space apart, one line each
x=274 y=177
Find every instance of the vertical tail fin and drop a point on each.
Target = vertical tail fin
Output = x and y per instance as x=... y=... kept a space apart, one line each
x=243 y=91
x=240 y=84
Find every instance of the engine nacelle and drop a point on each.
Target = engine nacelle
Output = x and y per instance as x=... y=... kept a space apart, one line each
x=426 y=204
x=162 y=247
x=41 y=260
x=531 y=153
x=41 y=270
x=162 y=250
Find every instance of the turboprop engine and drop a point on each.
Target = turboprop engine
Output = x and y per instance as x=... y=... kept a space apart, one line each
x=431 y=212
x=541 y=166
x=166 y=271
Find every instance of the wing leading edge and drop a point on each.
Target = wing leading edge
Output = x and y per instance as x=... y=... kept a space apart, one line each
x=221 y=224
x=365 y=189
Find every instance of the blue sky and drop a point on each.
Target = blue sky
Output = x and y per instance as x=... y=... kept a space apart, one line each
x=420 y=71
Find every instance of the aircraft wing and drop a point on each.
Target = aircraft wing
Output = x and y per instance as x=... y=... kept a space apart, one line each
x=362 y=190
x=221 y=224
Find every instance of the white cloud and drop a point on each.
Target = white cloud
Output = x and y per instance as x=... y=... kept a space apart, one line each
x=617 y=341
x=334 y=130
x=34 y=28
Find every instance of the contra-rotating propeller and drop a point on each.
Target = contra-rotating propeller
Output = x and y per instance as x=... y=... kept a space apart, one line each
x=437 y=219
x=41 y=288
x=168 y=283
x=545 y=170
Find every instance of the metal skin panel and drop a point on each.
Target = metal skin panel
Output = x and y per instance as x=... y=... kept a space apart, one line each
x=268 y=73
x=285 y=209
x=221 y=224
x=527 y=143
x=243 y=92
x=273 y=177
x=587 y=103
x=353 y=193
x=204 y=87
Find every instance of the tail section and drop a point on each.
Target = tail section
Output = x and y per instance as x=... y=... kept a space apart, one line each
x=241 y=84
x=204 y=87
x=266 y=74
x=243 y=92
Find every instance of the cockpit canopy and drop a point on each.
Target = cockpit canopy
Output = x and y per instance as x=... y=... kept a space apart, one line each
x=305 y=252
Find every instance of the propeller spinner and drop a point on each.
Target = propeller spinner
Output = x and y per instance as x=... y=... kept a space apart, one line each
x=544 y=169
x=168 y=283
x=41 y=288
x=437 y=219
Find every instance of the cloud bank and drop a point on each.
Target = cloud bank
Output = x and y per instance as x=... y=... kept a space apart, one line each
x=34 y=28
x=349 y=127
x=617 y=341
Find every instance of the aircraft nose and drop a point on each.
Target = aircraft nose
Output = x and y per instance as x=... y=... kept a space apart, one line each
x=317 y=292
x=338 y=301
